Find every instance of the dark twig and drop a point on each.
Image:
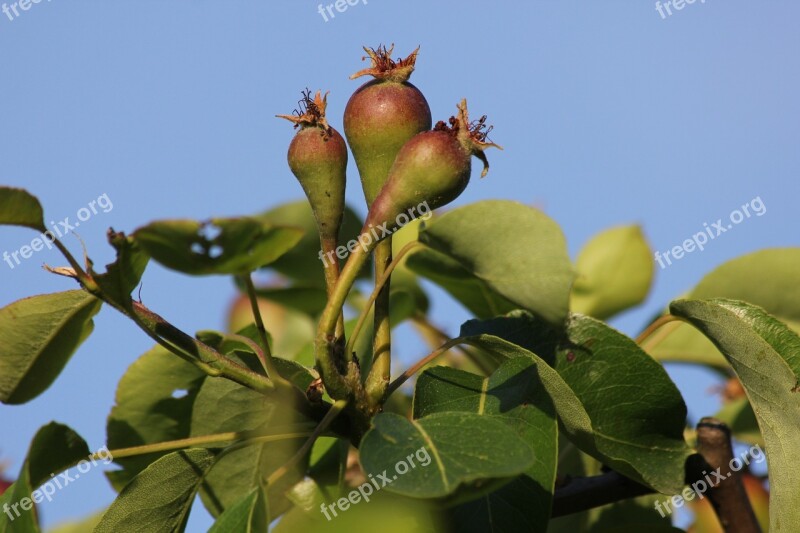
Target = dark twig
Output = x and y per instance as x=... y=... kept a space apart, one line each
x=728 y=497
x=584 y=493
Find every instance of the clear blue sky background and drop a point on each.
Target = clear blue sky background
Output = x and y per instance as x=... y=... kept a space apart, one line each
x=609 y=114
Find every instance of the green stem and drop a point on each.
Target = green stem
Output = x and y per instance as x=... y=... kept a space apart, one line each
x=421 y=363
x=247 y=279
x=426 y=326
x=326 y=341
x=172 y=445
x=330 y=265
x=380 y=371
x=655 y=325
x=243 y=438
x=191 y=349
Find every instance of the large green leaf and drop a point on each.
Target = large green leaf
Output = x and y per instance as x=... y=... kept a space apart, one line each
x=153 y=404
x=20 y=208
x=765 y=354
x=767 y=278
x=302 y=263
x=513 y=394
x=470 y=291
x=516 y=250
x=220 y=246
x=39 y=336
x=161 y=496
x=441 y=453
x=248 y=515
x=614 y=401
x=53 y=448
x=615 y=271
x=223 y=406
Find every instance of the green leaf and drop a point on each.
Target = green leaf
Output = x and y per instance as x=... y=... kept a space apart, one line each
x=302 y=263
x=249 y=515
x=54 y=448
x=516 y=250
x=614 y=401
x=765 y=354
x=223 y=406
x=220 y=246
x=160 y=497
x=475 y=295
x=513 y=394
x=153 y=404
x=328 y=465
x=123 y=275
x=767 y=278
x=20 y=208
x=444 y=459
x=40 y=334
x=615 y=271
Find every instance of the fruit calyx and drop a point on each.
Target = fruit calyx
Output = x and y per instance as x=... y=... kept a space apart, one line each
x=473 y=136
x=310 y=113
x=385 y=68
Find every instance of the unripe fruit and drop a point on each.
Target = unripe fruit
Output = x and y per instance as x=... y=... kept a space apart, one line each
x=318 y=158
x=382 y=115
x=431 y=169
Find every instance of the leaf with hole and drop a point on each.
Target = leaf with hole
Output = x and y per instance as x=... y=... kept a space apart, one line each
x=219 y=246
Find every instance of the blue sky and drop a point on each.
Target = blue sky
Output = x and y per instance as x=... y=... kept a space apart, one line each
x=608 y=113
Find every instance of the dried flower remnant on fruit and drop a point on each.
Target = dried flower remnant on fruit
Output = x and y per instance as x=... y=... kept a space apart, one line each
x=384 y=67
x=310 y=113
x=473 y=136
